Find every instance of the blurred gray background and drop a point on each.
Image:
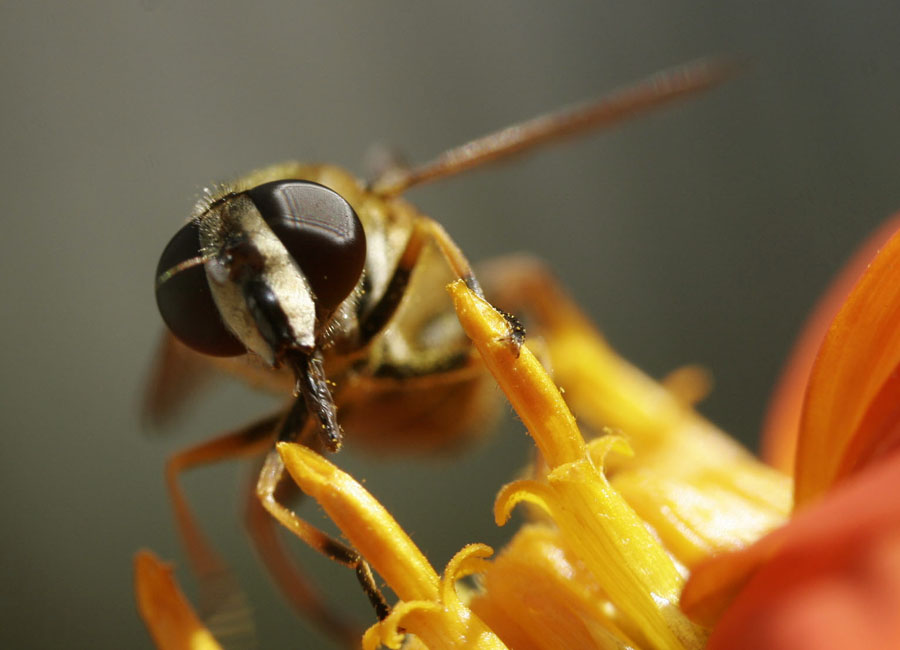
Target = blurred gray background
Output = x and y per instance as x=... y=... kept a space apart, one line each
x=702 y=233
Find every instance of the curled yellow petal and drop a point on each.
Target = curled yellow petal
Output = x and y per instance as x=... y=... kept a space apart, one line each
x=166 y=612
x=601 y=447
x=524 y=491
x=391 y=632
x=467 y=561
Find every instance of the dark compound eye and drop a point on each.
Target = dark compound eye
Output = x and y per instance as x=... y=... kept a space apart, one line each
x=321 y=232
x=186 y=303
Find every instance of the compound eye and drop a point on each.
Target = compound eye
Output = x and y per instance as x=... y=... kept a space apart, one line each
x=186 y=303
x=321 y=232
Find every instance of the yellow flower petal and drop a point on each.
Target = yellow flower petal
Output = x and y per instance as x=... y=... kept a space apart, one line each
x=627 y=560
x=521 y=376
x=538 y=596
x=166 y=612
x=369 y=527
x=695 y=520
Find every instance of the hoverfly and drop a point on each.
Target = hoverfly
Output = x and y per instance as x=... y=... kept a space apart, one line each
x=301 y=277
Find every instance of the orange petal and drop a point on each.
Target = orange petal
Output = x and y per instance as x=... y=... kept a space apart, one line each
x=829 y=579
x=858 y=355
x=781 y=424
x=879 y=432
x=166 y=612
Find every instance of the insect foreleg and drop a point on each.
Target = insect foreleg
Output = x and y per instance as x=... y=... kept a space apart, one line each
x=270 y=477
x=452 y=253
x=303 y=595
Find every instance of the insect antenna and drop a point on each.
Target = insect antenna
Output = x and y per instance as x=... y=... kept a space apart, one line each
x=657 y=90
x=181 y=266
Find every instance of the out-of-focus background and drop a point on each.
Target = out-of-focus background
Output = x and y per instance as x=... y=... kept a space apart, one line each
x=702 y=233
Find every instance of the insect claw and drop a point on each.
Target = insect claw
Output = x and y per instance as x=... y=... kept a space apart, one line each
x=516 y=335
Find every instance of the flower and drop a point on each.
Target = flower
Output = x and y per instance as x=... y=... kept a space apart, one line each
x=659 y=531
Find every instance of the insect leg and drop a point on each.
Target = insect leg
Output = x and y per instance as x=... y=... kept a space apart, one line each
x=222 y=598
x=302 y=595
x=454 y=256
x=271 y=476
x=463 y=270
x=381 y=312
